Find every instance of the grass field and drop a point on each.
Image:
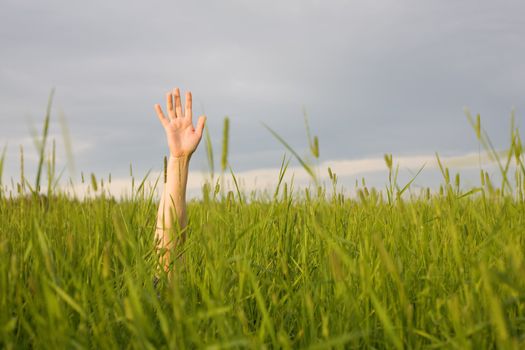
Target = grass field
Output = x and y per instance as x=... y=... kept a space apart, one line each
x=294 y=269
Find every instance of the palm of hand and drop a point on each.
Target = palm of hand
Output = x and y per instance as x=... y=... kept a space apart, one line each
x=182 y=137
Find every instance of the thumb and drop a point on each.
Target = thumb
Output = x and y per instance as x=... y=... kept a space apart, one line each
x=200 y=125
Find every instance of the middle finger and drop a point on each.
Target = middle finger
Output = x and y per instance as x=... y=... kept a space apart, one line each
x=178 y=104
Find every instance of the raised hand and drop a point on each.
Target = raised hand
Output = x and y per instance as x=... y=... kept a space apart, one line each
x=182 y=137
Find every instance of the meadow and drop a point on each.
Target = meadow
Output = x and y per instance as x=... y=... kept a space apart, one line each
x=291 y=268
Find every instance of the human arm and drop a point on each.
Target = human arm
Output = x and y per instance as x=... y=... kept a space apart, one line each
x=183 y=140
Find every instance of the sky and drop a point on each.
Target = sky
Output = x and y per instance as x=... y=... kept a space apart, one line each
x=374 y=77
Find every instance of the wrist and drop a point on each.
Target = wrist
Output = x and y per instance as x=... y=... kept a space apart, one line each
x=177 y=168
x=179 y=161
x=185 y=157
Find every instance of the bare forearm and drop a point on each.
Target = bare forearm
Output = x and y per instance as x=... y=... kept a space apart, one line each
x=171 y=215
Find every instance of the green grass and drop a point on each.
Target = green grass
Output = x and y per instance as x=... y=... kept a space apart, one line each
x=295 y=269
x=437 y=272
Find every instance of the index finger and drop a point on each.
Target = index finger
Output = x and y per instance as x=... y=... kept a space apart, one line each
x=169 y=105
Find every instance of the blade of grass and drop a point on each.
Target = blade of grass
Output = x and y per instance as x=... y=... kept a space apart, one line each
x=288 y=147
x=41 y=150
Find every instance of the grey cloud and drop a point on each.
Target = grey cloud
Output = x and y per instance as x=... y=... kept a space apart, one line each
x=375 y=77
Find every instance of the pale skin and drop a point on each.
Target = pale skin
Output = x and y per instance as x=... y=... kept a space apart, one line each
x=183 y=139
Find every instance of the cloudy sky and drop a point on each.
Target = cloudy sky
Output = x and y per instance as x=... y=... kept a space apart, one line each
x=374 y=77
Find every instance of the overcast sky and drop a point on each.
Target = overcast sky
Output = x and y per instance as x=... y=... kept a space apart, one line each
x=373 y=76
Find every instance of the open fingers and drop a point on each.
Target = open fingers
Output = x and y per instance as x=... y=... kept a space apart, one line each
x=188 y=111
x=169 y=105
x=178 y=104
x=160 y=115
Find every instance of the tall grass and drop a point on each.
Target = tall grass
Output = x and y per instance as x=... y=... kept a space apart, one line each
x=299 y=269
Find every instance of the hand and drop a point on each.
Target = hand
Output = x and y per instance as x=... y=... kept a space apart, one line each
x=182 y=137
